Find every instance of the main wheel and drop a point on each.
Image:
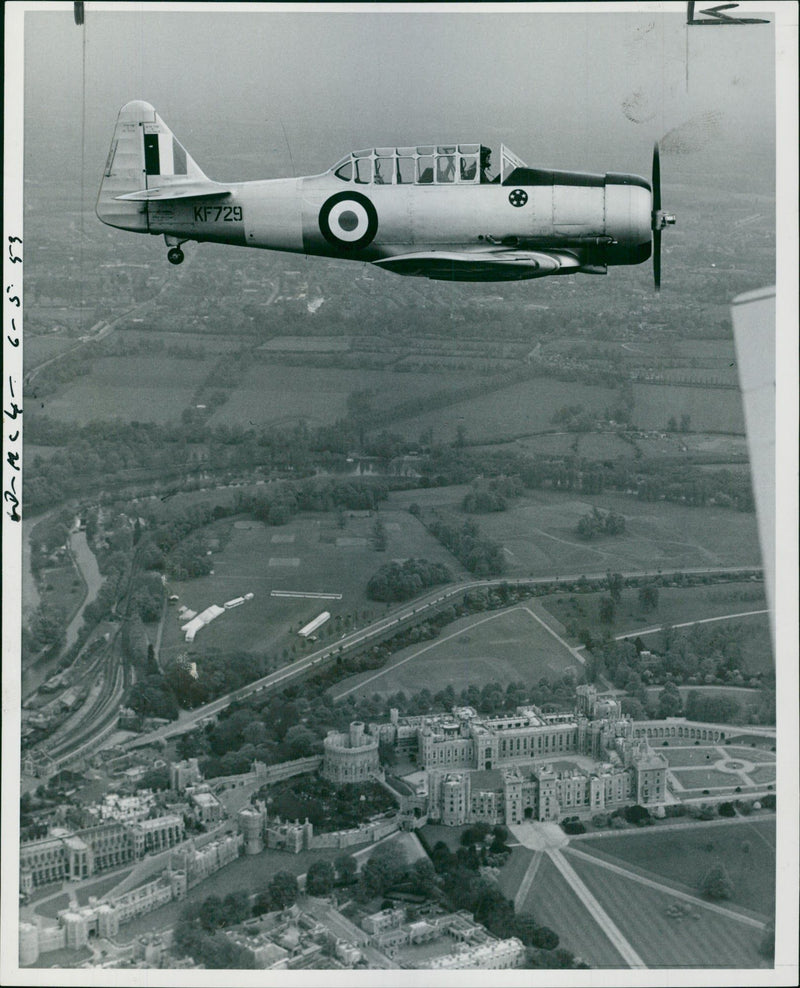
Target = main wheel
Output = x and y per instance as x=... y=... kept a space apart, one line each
x=175 y=255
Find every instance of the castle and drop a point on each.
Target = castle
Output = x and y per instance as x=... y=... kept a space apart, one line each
x=514 y=767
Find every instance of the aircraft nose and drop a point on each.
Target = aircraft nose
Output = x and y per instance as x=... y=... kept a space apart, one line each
x=628 y=209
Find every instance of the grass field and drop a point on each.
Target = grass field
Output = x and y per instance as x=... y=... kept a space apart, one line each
x=763 y=775
x=553 y=903
x=538 y=533
x=156 y=388
x=675 y=606
x=275 y=393
x=505 y=646
x=710 y=409
x=309 y=554
x=513 y=871
x=707 y=778
x=518 y=410
x=639 y=911
x=683 y=856
x=688 y=757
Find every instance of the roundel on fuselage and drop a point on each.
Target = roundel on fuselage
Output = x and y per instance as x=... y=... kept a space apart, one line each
x=348 y=221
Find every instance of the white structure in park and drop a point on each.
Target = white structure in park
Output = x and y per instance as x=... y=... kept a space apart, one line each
x=201 y=620
x=312 y=626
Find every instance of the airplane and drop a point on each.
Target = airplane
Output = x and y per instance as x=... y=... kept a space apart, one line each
x=431 y=211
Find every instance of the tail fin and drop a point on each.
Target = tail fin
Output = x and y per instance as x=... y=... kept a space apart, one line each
x=144 y=154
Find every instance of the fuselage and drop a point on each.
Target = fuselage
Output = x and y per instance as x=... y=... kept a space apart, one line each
x=606 y=217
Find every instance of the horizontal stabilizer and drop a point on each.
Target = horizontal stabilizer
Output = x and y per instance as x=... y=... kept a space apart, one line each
x=186 y=190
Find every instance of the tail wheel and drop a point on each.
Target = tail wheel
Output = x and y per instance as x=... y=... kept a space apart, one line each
x=175 y=255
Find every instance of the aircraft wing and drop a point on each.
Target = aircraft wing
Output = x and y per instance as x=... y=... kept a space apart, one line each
x=486 y=265
x=182 y=190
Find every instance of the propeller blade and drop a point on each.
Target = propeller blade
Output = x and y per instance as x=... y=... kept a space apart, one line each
x=657 y=259
x=656 y=178
x=656 y=209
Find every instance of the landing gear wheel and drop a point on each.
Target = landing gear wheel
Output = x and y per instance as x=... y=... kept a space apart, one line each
x=175 y=255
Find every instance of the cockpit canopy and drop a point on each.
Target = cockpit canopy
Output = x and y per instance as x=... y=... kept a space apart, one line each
x=446 y=164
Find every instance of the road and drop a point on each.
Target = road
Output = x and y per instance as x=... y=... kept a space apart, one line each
x=415 y=609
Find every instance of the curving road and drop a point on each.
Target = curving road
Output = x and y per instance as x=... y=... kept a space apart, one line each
x=189 y=720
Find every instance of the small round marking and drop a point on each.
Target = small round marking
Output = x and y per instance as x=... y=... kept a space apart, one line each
x=518 y=197
x=348 y=221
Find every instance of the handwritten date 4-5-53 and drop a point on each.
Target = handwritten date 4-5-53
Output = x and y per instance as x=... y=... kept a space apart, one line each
x=218 y=214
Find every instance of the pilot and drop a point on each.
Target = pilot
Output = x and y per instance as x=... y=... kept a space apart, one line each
x=486 y=164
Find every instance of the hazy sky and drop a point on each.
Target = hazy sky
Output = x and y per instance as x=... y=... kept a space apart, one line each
x=243 y=90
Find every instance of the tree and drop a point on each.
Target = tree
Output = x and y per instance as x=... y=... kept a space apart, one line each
x=615 y=583
x=607 y=609
x=716 y=883
x=282 y=890
x=236 y=907
x=648 y=597
x=670 y=703
x=320 y=878
x=346 y=867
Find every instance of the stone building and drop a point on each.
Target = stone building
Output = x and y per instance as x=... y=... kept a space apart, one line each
x=350 y=757
x=66 y=855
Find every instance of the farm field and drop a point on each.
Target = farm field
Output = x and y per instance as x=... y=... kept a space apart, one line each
x=273 y=393
x=145 y=389
x=553 y=903
x=519 y=409
x=504 y=646
x=710 y=409
x=538 y=533
x=713 y=940
x=309 y=554
x=682 y=856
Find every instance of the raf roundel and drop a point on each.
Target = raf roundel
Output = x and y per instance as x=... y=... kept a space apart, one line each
x=518 y=197
x=348 y=221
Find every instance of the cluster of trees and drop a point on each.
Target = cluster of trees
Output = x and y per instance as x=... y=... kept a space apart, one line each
x=483 y=557
x=327 y=806
x=458 y=877
x=598 y=522
x=198 y=932
x=574 y=418
x=400 y=581
x=493 y=495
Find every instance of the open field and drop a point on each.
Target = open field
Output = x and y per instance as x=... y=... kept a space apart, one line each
x=538 y=533
x=763 y=775
x=553 y=903
x=320 y=558
x=683 y=856
x=503 y=647
x=513 y=871
x=710 y=409
x=712 y=940
x=99 y=889
x=156 y=388
x=676 y=605
x=273 y=393
x=519 y=409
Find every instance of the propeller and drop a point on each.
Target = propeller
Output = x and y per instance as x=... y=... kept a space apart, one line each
x=660 y=219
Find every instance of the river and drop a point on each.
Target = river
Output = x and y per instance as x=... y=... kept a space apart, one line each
x=34 y=676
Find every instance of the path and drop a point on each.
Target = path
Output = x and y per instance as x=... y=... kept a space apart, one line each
x=527 y=881
x=666 y=889
x=601 y=917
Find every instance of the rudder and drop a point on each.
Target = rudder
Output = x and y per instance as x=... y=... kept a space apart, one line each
x=144 y=154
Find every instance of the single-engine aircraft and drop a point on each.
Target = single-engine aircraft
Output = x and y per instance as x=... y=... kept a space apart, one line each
x=433 y=211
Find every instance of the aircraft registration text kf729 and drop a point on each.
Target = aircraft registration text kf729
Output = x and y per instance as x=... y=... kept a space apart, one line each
x=435 y=211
